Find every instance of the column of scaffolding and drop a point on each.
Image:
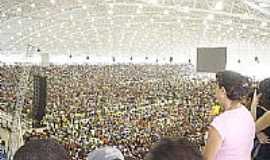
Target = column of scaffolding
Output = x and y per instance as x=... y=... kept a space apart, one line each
x=16 y=134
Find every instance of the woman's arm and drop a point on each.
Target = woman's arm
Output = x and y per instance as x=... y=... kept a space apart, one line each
x=254 y=103
x=213 y=144
x=263 y=122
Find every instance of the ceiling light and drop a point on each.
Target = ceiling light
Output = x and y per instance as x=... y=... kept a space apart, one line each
x=264 y=4
x=71 y=17
x=166 y=12
x=140 y=6
x=263 y=24
x=264 y=33
x=33 y=5
x=128 y=25
x=205 y=22
x=219 y=6
x=219 y=27
x=52 y=2
x=19 y=34
x=210 y=17
x=154 y=2
x=186 y=9
x=84 y=7
x=110 y=12
x=19 y=9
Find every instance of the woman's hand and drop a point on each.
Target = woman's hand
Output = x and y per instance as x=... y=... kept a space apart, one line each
x=263 y=138
x=263 y=122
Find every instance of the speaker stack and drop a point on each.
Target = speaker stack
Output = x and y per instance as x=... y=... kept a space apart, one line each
x=39 y=100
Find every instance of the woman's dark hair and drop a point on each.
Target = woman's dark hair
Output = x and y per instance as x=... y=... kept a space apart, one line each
x=235 y=84
x=264 y=88
x=41 y=149
x=174 y=149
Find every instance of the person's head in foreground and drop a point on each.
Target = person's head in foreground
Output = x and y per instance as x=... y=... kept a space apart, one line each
x=174 y=149
x=41 y=149
x=231 y=88
x=105 y=153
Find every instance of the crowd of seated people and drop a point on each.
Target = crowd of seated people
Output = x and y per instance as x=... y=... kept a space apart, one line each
x=128 y=106
x=125 y=106
x=131 y=107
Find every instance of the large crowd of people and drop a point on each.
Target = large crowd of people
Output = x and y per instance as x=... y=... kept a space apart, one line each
x=127 y=106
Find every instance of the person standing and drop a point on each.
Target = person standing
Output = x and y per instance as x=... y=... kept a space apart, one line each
x=3 y=154
x=231 y=134
x=260 y=108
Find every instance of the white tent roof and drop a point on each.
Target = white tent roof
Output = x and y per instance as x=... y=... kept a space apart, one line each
x=133 y=26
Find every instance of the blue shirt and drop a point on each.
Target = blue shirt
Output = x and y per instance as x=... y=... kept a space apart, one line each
x=3 y=155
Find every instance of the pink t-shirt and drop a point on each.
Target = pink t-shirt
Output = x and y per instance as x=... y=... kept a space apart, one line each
x=237 y=129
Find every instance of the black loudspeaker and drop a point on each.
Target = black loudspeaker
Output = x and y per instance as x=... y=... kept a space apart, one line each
x=211 y=60
x=171 y=59
x=39 y=100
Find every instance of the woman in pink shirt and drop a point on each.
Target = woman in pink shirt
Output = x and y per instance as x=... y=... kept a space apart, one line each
x=231 y=134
